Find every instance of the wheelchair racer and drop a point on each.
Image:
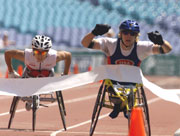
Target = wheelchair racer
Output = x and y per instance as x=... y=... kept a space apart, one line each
x=39 y=61
x=126 y=49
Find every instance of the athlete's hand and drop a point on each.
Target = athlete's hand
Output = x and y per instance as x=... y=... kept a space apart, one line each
x=13 y=74
x=156 y=37
x=100 y=29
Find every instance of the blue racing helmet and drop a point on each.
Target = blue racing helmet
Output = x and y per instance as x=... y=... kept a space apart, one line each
x=130 y=25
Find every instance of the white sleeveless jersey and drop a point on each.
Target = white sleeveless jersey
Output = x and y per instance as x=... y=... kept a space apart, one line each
x=108 y=46
x=47 y=64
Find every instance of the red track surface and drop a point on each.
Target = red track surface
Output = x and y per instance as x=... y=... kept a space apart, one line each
x=79 y=103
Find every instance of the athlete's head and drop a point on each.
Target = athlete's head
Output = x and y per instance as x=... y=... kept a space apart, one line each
x=41 y=45
x=41 y=42
x=129 y=32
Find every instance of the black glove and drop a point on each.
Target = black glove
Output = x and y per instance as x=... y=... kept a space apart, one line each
x=156 y=37
x=100 y=29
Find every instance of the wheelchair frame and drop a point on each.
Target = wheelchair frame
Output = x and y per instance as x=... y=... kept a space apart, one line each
x=131 y=96
x=33 y=99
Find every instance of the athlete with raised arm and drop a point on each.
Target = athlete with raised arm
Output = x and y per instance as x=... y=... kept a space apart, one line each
x=126 y=49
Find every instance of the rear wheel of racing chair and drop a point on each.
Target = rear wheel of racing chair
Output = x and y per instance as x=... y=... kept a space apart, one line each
x=35 y=104
x=61 y=107
x=138 y=99
x=146 y=112
x=13 y=109
x=127 y=96
x=97 y=108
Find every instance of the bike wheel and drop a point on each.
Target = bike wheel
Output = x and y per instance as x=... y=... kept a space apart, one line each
x=146 y=113
x=130 y=105
x=61 y=108
x=97 y=109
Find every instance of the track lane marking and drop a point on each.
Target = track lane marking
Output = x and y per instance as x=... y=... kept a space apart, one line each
x=54 y=104
x=153 y=100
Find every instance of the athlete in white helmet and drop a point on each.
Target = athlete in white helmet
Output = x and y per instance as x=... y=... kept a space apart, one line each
x=40 y=60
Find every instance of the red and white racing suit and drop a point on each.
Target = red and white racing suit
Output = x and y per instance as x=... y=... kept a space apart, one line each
x=39 y=69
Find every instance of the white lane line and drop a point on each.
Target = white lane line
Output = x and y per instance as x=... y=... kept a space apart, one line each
x=153 y=100
x=106 y=133
x=100 y=117
x=53 y=104
x=77 y=125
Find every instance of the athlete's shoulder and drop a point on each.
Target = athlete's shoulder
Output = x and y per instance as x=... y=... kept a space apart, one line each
x=28 y=49
x=52 y=52
x=144 y=43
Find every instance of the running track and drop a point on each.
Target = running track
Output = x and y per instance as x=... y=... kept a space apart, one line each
x=79 y=103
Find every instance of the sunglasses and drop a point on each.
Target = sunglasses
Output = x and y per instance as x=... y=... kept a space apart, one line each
x=38 y=52
x=129 y=32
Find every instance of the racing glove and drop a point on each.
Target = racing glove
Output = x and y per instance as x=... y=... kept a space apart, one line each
x=156 y=37
x=13 y=74
x=100 y=29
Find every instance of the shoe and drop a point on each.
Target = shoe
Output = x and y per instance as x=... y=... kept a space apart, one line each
x=115 y=111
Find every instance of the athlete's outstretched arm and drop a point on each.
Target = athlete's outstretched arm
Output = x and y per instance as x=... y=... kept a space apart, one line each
x=10 y=54
x=66 y=56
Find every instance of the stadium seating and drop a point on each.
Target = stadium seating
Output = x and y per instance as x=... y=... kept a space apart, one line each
x=66 y=22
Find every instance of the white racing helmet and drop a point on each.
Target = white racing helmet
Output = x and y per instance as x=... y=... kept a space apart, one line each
x=41 y=42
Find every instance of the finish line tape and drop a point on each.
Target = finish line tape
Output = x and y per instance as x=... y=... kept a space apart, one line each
x=122 y=73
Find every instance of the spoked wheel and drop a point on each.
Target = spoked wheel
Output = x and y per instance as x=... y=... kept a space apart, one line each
x=97 y=109
x=13 y=109
x=61 y=96
x=61 y=107
x=34 y=109
x=130 y=104
x=146 y=112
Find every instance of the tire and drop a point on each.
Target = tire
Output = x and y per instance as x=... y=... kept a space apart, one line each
x=63 y=105
x=13 y=110
x=146 y=113
x=97 y=109
x=61 y=108
x=131 y=105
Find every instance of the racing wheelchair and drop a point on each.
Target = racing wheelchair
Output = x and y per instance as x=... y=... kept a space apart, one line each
x=33 y=102
x=127 y=95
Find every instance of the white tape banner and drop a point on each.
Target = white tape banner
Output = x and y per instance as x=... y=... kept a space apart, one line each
x=122 y=73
